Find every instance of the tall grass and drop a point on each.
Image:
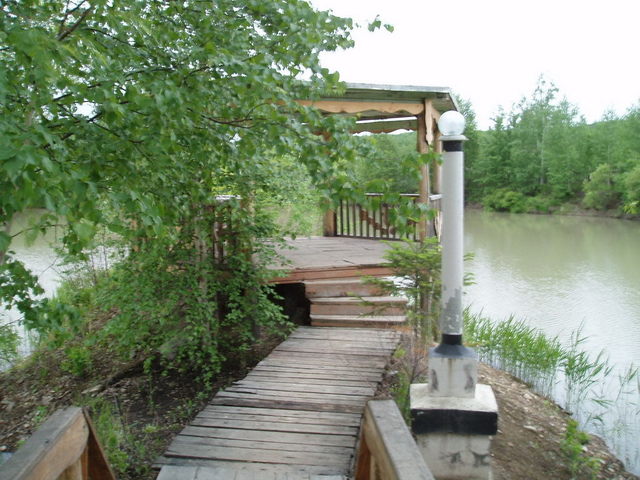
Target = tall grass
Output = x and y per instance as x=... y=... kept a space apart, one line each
x=601 y=398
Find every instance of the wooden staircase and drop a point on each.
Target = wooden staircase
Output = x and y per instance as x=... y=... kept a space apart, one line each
x=348 y=302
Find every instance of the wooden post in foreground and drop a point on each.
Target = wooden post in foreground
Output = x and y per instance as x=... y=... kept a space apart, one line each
x=65 y=447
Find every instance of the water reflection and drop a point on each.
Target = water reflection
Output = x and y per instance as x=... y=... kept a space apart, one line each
x=559 y=273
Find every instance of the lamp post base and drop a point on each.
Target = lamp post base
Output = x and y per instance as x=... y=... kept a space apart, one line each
x=454 y=434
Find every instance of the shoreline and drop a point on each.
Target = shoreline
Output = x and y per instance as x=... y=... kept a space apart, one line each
x=567 y=210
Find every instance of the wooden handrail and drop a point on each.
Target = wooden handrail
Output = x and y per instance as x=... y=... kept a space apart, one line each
x=65 y=447
x=387 y=449
x=351 y=219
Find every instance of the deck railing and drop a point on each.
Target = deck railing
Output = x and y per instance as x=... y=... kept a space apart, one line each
x=387 y=449
x=351 y=219
x=64 y=447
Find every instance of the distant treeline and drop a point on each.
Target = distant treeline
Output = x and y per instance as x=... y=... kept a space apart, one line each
x=538 y=156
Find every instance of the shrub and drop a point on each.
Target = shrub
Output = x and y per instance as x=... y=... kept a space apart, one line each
x=539 y=204
x=601 y=190
x=504 y=200
x=632 y=188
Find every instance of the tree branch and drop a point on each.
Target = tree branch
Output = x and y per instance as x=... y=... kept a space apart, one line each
x=73 y=27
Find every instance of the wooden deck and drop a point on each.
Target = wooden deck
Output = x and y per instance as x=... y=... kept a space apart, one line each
x=314 y=258
x=296 y=416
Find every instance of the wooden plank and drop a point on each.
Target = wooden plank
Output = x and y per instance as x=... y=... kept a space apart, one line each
x=312 y=371
x=305 y=438
x=55 y=446
x=258 y=470
x=257 y=401
x=344 y=418
x=273 y=426
x=257 y=455
x=211 y=413
x=305 y=387
x=322 y=364
x=347 y=344
x=276 y=395
x=344 y=341
x=329 y=380
x=271 y=444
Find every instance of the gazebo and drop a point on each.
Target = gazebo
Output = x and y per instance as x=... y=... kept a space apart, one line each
x=384 y=109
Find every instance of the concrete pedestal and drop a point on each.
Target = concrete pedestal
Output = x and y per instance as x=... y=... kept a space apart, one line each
x=453 y=433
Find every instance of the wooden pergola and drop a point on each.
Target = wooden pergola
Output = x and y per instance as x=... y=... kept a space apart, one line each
x=387 y=108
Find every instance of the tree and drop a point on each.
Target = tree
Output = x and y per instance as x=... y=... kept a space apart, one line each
x=131 y=115
x=602 y=191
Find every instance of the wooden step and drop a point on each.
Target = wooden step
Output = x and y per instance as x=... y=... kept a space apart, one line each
x=377 y=321
x=340 y=287
x=358 y=306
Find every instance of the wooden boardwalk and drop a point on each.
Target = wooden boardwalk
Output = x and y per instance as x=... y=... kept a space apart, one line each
x=314 y=258
x=296 y=416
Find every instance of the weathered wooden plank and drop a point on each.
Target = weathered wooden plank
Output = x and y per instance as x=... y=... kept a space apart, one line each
x=259 y=470
x=299 y=396
x=362 y=362
x=288 y=378
x=345 y=418
x=304 y=387
x=284 y=400
x=336 y=345
x=346 y=334
x=273 y=444
x=342 y=348
x=265 y=456
x=305 y=438
x=273 y=426
x=255 y=401
x=309 y=419
x=309 y=364
x=325 y=373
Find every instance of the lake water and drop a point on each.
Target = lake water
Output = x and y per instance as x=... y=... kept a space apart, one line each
x=40 y=257
x=559 y=274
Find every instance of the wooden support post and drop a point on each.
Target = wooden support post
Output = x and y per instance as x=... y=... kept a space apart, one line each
x=329 y=223
x=437 y=171
x=423 y=147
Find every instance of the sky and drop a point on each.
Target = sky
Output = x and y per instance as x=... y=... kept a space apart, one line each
x=492 y=52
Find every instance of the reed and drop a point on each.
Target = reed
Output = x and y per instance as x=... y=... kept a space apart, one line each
x=602 y=399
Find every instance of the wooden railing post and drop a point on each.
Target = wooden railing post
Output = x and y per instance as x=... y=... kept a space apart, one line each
x=329 y=223
x=387 y=449
x=65 y=447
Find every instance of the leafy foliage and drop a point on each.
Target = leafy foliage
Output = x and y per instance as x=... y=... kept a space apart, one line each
x=543 y=150
x=134 y=115
x=601 y=190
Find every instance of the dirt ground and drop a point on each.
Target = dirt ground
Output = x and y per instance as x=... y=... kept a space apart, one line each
x=527 y=446
x=531 y=430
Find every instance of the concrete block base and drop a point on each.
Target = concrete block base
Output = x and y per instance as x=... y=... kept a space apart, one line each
x=454 y=434
x=450 y=456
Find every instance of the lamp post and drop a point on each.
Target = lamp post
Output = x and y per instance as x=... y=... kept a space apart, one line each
x=452 y=416
x=451 y=125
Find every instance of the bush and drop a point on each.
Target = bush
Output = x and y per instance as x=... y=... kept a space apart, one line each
x=601 y=190
x=632 y=188
x=539 y=204
x=504 y=200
